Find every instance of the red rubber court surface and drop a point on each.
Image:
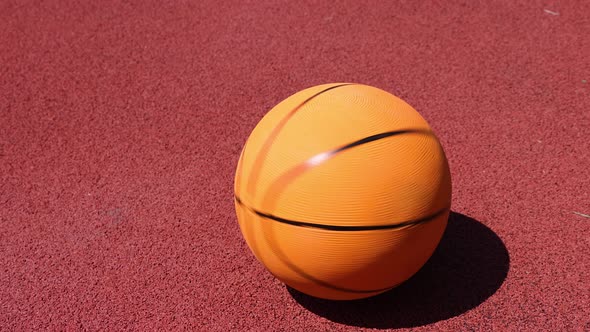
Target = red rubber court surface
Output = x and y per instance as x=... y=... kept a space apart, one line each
x=121 y=124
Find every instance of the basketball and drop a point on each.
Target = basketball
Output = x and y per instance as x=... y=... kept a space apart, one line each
x=342 y=191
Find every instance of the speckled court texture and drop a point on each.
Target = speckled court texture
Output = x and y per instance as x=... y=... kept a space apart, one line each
x=121 y=123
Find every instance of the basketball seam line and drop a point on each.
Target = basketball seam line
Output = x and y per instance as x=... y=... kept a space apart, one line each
x=340 y=228
x=369 y=139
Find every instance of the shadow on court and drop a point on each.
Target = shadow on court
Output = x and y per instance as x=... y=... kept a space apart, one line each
x=468 y=266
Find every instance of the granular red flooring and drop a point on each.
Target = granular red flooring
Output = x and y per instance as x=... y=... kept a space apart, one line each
x=121 y=124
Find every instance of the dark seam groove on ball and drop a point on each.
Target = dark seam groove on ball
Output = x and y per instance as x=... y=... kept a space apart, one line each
x=327 y=155
x=319 y=93
x=343 y=228
x=376 y=137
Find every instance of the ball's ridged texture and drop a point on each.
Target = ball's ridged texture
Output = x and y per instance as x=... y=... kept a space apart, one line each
x=342 y=191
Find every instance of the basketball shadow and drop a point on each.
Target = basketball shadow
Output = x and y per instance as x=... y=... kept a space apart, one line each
x=469 y=265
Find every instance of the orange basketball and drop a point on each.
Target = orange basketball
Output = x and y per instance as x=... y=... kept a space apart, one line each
x=342 y=191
